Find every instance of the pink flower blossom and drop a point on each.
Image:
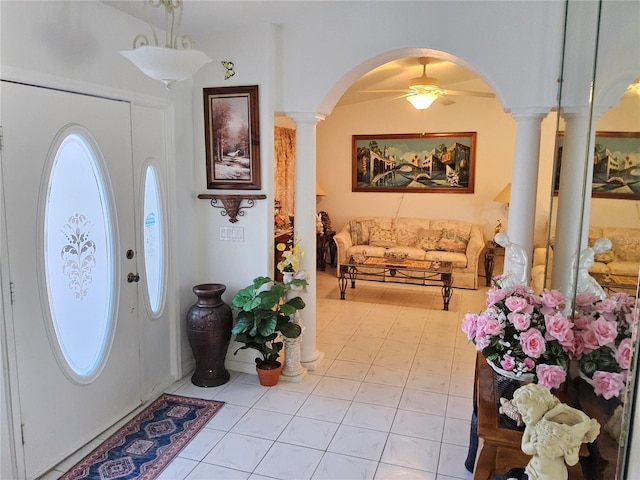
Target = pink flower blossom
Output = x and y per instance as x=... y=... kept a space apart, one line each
x=482 y=341
x=469 y=323
x=529 y=364
x=582 y=322
x=558 y=326
x=585 y=301
x=606 y=308
x=623 y=353
x=607 y=384
x=493 y=327
x=551 y=376
x=551 y=300
x=508 y=362
x=569 y=343
x=521 y=321
x=533 y=343
x=605 y=331
x=589 y=340
x=494 y=296
x=518 y=305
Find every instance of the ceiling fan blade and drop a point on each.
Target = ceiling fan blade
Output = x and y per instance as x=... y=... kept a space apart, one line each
x=469 y=93
x=445 y=101
x=383 y=91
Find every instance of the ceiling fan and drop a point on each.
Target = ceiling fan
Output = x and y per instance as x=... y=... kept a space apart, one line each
x=424 y=90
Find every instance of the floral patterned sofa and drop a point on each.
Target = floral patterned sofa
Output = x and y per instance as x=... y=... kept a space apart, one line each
x=455 y=241
x=622 y=259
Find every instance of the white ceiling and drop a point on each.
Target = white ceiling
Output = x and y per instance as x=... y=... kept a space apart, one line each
x=201 y=17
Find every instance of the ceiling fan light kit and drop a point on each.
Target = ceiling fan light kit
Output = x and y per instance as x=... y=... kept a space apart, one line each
x=169 y=64
x=422 y=101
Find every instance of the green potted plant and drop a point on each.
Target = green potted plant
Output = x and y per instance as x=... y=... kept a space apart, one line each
x=265 y=312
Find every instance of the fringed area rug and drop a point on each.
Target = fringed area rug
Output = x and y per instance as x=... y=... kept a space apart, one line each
x=143 y=447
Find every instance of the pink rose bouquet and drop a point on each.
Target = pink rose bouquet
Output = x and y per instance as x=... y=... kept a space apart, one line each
x=521 y=333
x=604 y=332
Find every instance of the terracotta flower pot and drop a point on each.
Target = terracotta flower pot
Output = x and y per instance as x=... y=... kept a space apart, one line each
x=268 y=377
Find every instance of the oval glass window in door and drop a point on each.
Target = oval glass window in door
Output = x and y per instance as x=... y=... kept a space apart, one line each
x=153 y=237
x=79 y=254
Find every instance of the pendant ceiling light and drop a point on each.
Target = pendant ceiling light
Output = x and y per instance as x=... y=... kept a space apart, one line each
x=175 y=61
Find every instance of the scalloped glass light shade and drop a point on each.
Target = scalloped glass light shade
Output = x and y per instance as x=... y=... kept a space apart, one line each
x=169 y=65
x=422 y=101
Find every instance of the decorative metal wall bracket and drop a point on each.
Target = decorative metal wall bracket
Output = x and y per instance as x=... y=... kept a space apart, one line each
x=231 y=204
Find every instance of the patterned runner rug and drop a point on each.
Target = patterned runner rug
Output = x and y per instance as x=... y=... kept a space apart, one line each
x=147 y=443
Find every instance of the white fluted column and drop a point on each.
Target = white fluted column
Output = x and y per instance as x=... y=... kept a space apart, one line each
x=576 y=172
x=305 y=227
x=524 y=182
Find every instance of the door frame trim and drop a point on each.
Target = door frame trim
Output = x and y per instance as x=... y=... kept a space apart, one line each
x=8 y=360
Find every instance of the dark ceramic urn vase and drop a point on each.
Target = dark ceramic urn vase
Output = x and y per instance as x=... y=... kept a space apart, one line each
x=209 y=324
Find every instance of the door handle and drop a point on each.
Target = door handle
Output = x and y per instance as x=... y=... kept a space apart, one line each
x=133 y=277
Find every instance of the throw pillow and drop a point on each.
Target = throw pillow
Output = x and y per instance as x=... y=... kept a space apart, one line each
x=428 y=239
x=452 y=242
x=382 y=237
x=360 y=231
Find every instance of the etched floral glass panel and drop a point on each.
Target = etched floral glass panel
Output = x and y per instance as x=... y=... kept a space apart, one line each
x=153 y=235
x=78 y=243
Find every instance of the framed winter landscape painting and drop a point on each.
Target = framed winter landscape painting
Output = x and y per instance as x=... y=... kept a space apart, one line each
x=616 y=165
x=421 y=163
x=232 y=137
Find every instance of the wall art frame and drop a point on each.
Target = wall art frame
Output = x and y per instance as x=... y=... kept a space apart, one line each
x=420 y=162
x=232 y=137
x=616 y=165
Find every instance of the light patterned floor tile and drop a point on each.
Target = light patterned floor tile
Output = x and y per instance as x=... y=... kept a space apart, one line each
x=262 y=424
x=370 y=416
x=334 y=466
x=300 y=462
x=308 y=432
x=416 y=424
x=379 y=394
x=358 y=442
x=425 y=402
x=394 y=472
x=324 y=408
x=411 y=452
x=239 y=452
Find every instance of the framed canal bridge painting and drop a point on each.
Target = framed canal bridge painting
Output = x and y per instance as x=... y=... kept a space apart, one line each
x=616 y=165
x=421 y=163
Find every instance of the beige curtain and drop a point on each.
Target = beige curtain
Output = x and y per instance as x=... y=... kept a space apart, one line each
x=285 y=168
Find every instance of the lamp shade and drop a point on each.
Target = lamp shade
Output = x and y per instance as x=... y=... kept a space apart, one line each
x=319 y=190
x=169 y=65
x=422 y=101
x=505 y=195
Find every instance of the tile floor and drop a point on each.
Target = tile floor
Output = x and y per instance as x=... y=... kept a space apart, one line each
x=392 y=398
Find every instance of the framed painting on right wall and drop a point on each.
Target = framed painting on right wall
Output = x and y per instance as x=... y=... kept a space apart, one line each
x=616 y=165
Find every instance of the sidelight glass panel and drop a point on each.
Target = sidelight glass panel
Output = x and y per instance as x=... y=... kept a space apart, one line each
x=78 y=255
x=153 y=239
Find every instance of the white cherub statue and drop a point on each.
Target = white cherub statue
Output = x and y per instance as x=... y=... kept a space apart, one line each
x=586 y=283
x=553 y=432
x=518 y=262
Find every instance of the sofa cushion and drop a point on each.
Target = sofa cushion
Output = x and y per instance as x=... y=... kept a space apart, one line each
x=365 y=251
x=452 y=241
x=428 y=239
x=382 y=237
x=599 y=267
x=624 y=268
x=458 y=260
x=360 y=231
x=605 y=257
x=625 y=243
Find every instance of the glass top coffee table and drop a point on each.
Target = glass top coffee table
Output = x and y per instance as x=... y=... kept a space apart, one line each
x=415 y=272
x=615 y=283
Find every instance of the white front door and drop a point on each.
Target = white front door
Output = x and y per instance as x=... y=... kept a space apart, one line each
x=67 y=172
